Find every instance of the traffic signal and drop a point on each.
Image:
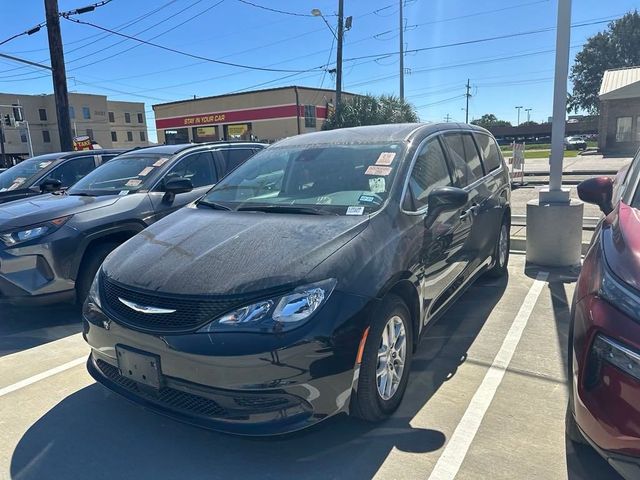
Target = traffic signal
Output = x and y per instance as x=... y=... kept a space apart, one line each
x=7 y=120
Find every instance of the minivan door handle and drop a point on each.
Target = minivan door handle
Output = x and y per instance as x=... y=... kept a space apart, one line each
x=470 y=212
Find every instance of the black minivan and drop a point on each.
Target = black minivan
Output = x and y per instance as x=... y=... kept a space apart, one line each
x=299 y=286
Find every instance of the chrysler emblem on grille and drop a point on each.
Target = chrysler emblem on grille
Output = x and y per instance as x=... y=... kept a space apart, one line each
x=144 y=308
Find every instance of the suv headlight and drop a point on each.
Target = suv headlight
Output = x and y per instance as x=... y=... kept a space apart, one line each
x=619 y=295
x=33 y=232
x=277 y=314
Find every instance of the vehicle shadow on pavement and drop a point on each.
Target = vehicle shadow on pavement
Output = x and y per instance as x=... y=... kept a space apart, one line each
x=93 y=433
x=27 y=327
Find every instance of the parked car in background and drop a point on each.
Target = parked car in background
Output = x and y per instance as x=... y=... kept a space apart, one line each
x=300 y=285
x=51 y=246
x=50 y=172
x=575 y=143
x=604 y=339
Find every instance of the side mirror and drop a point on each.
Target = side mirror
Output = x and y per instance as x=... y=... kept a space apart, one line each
x=598 y=191
x=445 y=199
x=50 y=185
x=175 y=186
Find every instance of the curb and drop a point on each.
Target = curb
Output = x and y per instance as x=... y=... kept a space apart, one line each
x=520 y=244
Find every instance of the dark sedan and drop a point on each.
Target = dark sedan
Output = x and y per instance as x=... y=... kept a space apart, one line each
x=300 y=285
x=51 y=246
x=50 y=172
x=604 y=343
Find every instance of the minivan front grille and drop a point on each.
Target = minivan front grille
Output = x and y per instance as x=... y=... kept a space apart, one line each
x=187 y=313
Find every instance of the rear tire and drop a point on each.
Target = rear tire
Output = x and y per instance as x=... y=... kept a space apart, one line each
x=386 y=362
x=89 y=266
x=501 y=250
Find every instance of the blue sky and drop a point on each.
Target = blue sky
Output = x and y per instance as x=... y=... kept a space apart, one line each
x=503 y=73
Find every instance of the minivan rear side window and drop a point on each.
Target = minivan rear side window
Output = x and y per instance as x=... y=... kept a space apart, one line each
x=430 y=171
x=490 y=152
x=235 y=157
x=465 y=157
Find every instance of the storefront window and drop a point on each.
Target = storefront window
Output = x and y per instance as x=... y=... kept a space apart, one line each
x=241 y=131
x=205 y=134
x=310 y=116
x=175 y=137
x=623 y=129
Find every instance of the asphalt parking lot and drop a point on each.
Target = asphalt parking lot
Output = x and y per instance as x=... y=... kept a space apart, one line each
x=486 y=399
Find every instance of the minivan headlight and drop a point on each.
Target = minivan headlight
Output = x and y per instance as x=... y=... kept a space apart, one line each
x=33 y=232
x=94 y=290
x=277 y=314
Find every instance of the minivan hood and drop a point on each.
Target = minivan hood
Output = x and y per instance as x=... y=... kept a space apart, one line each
x=30 y=211
x=208 y=252
x=621 y=244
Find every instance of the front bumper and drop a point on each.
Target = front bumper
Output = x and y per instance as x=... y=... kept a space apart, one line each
x=606 y=400
x=36 y=272
x=241 y=383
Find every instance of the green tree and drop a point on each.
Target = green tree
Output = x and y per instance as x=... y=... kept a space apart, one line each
x=618 y=46
x=490 y=120
x=371 y=110
x=530 y=123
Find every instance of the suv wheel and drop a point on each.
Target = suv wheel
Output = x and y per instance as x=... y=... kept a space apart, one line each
x=501 y=252
x=386 y=361
x=91 y=262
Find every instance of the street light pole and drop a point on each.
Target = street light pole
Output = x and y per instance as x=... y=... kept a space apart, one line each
x=339 y=55
x=518 y=109
x=59 y=74
x=401 y=51
x=528 y=110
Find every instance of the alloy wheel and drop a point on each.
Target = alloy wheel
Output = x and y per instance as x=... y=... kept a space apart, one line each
x=503 y=246
x=391 y=357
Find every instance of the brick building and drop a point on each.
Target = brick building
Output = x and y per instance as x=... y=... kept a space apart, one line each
x=619 y=129
x=262 y=114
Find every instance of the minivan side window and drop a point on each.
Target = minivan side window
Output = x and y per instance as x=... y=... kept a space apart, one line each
x=430 y=171
x=197 y=167
x=73 y=170
x=465 y=157
x=234 y=157
x=490 y=152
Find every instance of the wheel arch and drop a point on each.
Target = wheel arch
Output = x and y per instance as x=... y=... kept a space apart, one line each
x=408 y=293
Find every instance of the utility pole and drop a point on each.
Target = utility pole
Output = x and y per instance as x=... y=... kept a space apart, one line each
x=468 y=95
x=339 y=56
x=401 y=51
x=2 y=143
x=59 y=74
x=528 y=110
x=447 y=118
x=518 y=109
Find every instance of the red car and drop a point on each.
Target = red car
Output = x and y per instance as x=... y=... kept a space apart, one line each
x=604 y=336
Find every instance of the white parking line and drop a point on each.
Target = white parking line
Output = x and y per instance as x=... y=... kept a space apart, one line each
x=449 y=463
x=41 y=376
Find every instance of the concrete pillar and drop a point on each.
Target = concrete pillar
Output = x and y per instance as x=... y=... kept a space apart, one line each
x=554 y=233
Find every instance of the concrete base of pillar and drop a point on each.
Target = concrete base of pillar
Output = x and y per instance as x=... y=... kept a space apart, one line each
x=554 y=233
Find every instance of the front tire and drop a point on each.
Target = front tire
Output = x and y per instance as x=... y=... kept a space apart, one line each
x=386 y=361
x=91 y=262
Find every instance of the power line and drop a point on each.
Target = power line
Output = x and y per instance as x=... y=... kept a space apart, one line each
x=275 y=10
x=187 y=54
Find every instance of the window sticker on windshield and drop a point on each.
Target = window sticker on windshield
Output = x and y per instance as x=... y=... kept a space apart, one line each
x=355 y=210
x=366 y=198
x=123 y=192
x=161 y=161
x=377 y=185
x=145 y=172
x=377 y=170
x=44 y=164
x=16 y=183
x=134 y=182
x=386 y=158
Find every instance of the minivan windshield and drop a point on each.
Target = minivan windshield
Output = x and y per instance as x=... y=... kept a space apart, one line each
x=124 y=174
x=334 y=178
x=19 y=175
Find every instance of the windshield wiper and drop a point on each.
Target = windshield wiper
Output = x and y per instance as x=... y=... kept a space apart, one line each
x=214 y=205
x=79 y=194
x=285 y=209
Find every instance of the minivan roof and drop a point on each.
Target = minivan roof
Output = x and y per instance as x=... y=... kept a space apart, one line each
x=173 y=149
x=396 y=132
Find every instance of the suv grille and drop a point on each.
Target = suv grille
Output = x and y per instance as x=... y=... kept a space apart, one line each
x=190 y=312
